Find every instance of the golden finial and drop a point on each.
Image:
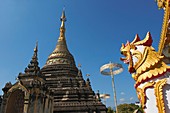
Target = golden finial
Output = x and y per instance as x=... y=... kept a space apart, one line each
x=61 y=45
x=63 y=18
x=35 y=50
x=62 y=28
x=36 y=47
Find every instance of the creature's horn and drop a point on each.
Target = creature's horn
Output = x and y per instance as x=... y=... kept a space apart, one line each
x=136 y=39
x=123 y=45
x=127 y=43
x=147 y=41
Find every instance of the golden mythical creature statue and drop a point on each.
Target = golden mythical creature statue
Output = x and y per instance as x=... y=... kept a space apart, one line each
x=150 y=73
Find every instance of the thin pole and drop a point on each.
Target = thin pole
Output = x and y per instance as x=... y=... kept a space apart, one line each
x=114 y=90
x=104 y=100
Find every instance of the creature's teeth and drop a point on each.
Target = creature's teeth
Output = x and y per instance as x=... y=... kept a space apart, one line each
x=122 y=58
x=127 y=61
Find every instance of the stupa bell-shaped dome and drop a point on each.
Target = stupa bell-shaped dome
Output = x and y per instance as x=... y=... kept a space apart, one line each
x=61 y=54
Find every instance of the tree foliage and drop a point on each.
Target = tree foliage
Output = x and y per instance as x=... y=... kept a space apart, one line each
x=110 y=110
x=125 y=108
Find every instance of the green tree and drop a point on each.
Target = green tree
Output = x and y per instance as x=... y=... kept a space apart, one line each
x=127 y=108
x=110 y=110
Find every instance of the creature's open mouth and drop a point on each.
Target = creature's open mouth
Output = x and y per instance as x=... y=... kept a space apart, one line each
x=125 y=60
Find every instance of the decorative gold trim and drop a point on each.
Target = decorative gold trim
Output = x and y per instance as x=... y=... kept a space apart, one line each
x=142 y=58
x=147 y=41
x=141 y=93
x=164 y=28
x=161 y=3
x=159 y=95
x=152 y=73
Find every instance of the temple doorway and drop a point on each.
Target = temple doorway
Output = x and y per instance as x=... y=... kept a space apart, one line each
x=16 y=102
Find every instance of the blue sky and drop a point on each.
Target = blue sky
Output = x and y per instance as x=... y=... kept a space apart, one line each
x=95 y=30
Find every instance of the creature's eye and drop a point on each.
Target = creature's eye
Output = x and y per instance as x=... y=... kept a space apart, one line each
x=121 y=52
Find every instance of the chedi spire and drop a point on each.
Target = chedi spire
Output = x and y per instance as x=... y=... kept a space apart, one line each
x=33 y=67
x=61 y=54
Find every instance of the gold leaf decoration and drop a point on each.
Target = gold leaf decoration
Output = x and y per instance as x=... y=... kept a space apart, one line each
x=141 y=93
x=159 y=95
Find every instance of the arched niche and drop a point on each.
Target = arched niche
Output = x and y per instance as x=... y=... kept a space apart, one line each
x=15 y=102
x=17 y=97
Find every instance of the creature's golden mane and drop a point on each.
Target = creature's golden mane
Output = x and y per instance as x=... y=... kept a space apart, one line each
x=150 y=66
